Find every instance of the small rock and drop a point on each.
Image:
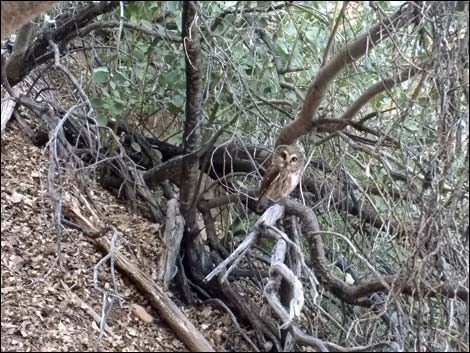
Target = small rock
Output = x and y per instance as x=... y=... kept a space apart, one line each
x=16 y=197
x=141 y=313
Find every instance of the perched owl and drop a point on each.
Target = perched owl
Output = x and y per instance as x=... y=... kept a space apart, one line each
x=283 y=176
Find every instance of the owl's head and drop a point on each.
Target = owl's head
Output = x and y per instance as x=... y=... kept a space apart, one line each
x=289 y=157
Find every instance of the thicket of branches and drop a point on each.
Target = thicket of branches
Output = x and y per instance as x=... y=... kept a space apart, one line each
x=167 y=101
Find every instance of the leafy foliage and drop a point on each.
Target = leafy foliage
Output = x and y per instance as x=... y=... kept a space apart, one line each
x=259 y=59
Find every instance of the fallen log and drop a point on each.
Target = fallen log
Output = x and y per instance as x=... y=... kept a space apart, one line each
x=166 y=308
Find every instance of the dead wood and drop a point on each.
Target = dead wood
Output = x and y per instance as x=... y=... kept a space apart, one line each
x=279 y=271
x=166 y=308
x=174 y=228
x=8 y=106
x=359 y=294
x=87 y=308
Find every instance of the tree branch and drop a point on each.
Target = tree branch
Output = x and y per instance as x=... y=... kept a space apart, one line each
x=348 y=54
x=166 y=308
x=158 y=31
x=381 y=86
x=192 y=128
x=359 y=294
x=66 y=29
x=333 y=33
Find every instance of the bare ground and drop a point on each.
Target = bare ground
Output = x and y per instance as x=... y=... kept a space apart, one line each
x=37 y=313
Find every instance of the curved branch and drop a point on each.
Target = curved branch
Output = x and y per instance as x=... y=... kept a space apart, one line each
x=359 y=294
x=66 y=29
x=280 y=69
x=347 y=55
x=381 y=86
x=158 y=32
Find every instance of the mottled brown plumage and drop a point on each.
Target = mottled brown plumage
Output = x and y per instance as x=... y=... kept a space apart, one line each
x=283 y=175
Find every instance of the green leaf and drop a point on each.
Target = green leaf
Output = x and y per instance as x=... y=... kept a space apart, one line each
x=154 y=5
x=102 y=119
x=131 y=9
x=173 y=6
x=290 y=29
x=170 y=59
x=179 y=22
x=101 y=74
x=310 y=34
x=176 y=104
x=282 y=46
x=173 y=76
x=97 y=102
x=121 y=79
x=116 y=107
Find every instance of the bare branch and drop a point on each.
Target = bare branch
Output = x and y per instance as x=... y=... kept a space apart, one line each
x=381 y=86
x=348 y=54
x=333 y=33
x=358 y=294
x=166 y=308
x=66 y=29
x=158 y=31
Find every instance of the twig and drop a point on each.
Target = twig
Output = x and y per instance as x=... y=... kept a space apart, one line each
x=88 y=309
x=106 y=306
x=331 y=39
x=166 y=308
x=234 y=320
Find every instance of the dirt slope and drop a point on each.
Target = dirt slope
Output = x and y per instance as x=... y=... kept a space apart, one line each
x=37 y=313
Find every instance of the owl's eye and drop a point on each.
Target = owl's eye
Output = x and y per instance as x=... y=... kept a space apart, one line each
x=284 y=155
x=294 y=159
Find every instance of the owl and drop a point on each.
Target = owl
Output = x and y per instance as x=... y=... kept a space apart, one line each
x=283 y=175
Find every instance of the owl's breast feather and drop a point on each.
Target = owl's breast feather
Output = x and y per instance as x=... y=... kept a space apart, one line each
x=294 y=180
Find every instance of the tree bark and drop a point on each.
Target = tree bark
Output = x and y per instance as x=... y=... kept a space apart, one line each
x=348 y=54
x=66 y=29
x=192 y=128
